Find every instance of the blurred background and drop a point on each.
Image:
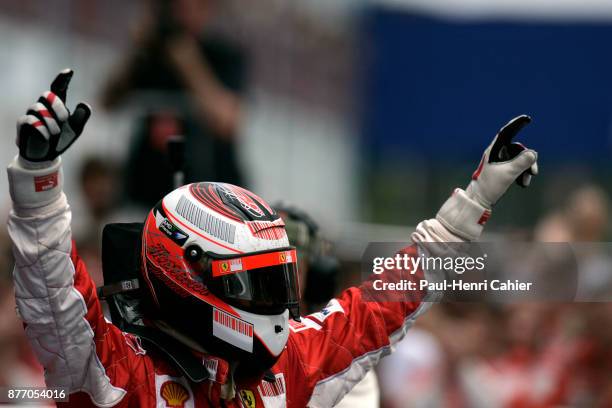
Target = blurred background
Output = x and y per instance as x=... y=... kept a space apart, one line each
x=365 y=114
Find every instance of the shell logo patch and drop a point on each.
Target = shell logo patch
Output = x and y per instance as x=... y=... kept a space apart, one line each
x=248 y=398
x=175 y=394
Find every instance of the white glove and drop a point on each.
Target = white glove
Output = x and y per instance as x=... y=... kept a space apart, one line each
x=466 y=212
x=43 y=134
x=502 y=163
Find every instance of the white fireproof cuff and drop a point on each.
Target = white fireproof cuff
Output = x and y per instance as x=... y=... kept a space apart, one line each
x=463 y=216
x=34 y=185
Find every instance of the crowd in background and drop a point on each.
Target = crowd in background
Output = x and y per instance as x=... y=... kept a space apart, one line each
x=522 y=354
x=191 y=83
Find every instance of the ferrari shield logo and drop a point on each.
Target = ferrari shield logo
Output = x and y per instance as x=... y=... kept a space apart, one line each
x=248 y=398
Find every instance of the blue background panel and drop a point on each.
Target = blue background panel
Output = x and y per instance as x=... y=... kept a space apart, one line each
x=441 y=89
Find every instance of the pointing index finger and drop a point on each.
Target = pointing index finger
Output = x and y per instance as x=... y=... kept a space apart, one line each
x=59 y=86
x=508 y=132
x=505 y=136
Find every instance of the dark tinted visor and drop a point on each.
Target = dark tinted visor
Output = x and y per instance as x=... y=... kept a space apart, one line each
x=264 y=283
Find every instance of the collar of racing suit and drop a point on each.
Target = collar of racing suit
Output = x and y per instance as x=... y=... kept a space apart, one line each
x=220 y=371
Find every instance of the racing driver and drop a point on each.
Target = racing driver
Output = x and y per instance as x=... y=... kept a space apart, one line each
x=220 y=278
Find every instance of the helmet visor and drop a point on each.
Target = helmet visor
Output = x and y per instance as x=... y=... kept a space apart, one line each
x=265 y=283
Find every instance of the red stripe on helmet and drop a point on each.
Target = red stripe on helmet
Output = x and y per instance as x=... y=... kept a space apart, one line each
x=222 y=267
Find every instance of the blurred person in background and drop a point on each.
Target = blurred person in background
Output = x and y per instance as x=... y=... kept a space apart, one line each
x=429 y=367
x=585 y=329
x=318 y=271
x=100 y=184
x=528 y=369
x=587 y=216
x=191 y=84
x=583 y=217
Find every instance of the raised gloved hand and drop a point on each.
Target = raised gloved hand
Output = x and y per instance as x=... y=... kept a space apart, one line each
x=502 y=163
x=465 y=213
x=43 y=134
x=48 y=128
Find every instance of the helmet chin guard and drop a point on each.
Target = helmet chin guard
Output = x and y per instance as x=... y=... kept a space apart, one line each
x=218 y=267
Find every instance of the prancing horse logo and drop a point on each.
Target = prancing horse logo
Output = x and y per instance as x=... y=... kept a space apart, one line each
x=248 y=398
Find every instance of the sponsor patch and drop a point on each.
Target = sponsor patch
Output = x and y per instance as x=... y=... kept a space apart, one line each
x=236 y=265
x=173 y=232
x=286 y=257
x=230 y=266
x=173 y=392
x=305 y=324
x=248 y=398
x=233 y=330
x=332 y=307
x=170 y=230
x=134 y=343
x=211 y=366
x=46 y=182
x=273 y=394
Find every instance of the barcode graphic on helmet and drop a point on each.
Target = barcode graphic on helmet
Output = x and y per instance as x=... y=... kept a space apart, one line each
x=272 y=389
x=205 y=221
x=233 y=323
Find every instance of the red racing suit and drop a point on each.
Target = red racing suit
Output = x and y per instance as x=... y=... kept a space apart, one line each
x=325 y=356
